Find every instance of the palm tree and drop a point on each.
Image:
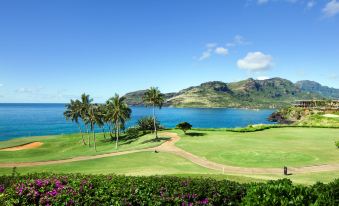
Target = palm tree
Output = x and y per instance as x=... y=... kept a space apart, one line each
x=94 y=118
x=153 y=97
x=119 y=113
x=109 y=117
x=102 y=111
x=84 y=111
x=73 y=113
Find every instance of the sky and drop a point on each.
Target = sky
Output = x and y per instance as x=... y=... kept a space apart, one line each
x=52 y=51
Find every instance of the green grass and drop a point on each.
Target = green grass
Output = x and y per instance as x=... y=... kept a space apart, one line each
x=273 y=147
x=161 y=164
x=269 y=148
x=309 y=178
x=318 y=120
x=67 y=146
x=141 y=163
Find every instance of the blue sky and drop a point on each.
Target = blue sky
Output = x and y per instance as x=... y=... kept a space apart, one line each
x=51 y=51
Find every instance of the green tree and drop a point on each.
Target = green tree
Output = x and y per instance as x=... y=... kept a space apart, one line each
x=154 y=98
x=94 y=118
x=73 y=113
x=102 y=112
x=84 y=111
x=146 y=124
x=119 y=113
x=184 y=126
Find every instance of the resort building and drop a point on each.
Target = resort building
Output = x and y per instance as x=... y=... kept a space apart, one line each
x=318 y=104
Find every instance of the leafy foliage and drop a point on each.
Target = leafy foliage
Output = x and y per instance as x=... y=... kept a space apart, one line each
x=78 y=189
x=146 y=124
x=132 y=132
x=337 y=144
x=184 y=126
x=114 y=113
x=154 y=98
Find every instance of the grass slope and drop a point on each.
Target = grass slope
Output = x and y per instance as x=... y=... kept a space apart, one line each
x=67 y=146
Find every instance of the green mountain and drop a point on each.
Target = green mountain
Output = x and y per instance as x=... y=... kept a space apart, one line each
x=249 y=93
x=315 y=87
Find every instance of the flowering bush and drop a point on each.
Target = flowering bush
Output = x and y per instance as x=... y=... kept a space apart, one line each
x=78 y=189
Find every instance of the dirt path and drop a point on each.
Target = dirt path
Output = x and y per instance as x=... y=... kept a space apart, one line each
x=31 y=145
x=169 y=146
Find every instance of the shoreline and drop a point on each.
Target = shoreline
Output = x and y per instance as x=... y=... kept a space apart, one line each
x=256 y=128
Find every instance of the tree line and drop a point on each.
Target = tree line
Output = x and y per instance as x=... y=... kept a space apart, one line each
x=112 y=115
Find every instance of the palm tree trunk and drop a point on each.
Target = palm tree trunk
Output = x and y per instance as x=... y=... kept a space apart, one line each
x=82 y=135
x=117 y=135
x=95 y=144
x=103 y=130
x=89 y=137
x=116 y=131
x=155 y=126
x=110 y=132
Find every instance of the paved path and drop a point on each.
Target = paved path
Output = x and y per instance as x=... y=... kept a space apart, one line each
x=169 y=146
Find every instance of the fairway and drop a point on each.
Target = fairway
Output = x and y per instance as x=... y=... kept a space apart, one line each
x=141 y=163
x=278 y=147
x=272 y=148
x=67 y=146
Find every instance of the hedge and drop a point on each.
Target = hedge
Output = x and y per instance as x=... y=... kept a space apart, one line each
x=79 y=189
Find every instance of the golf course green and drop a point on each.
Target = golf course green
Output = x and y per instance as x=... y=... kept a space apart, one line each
x=276 y=147
x=271 y=148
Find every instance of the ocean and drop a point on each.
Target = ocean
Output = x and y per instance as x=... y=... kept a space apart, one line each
x=23 y=120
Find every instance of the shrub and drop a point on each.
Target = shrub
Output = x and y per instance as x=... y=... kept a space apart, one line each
x=78 y=189
x=146 y=124
x=184 y=126
x=132 y=133
x=337 y=144
x=280 y=192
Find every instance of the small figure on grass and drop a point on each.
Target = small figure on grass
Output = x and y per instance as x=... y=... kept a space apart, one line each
x=285 y=170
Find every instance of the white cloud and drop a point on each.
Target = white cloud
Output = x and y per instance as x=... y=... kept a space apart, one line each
x=205 y=55
x=310 y=4
x=334 y=77
x=262 y=78
x=25 y=90
x=255 y=61
x=209 y=50
x=221 y=51
x=216 y=49
x=211 y=45
x=331 y=8
x=237 y=41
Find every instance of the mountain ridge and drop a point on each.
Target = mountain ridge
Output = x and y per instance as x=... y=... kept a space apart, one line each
x=249 y=93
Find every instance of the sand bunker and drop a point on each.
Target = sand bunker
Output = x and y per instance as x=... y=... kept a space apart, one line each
x=22 y=147
x=331 y=115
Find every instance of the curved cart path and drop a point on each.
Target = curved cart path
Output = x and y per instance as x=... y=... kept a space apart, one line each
x=169 y=146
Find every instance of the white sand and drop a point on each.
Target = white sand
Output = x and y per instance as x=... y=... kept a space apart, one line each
x=331 y=115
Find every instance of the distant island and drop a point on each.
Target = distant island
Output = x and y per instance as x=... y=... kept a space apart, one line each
x=249 y=93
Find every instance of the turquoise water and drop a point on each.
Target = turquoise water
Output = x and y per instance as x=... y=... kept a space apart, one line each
x=18 y=120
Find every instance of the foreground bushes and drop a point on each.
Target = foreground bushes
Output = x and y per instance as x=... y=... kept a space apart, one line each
x=77 y=189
